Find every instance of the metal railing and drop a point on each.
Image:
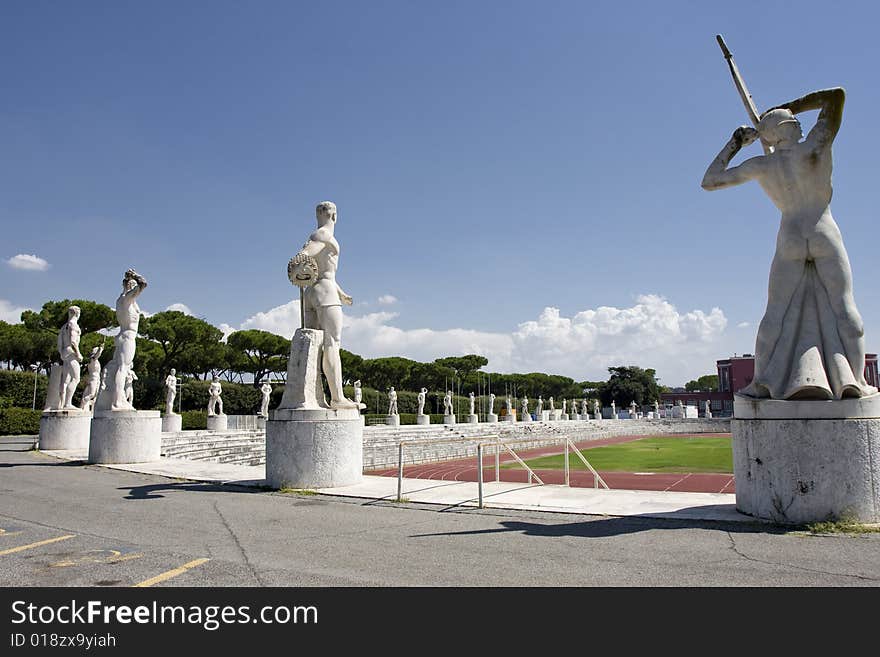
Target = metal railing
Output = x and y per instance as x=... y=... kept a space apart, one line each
x=498 y=444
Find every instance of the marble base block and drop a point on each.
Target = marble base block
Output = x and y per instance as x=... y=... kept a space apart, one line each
x=525 y=417
x=491 y=418
x=564 y=416
x=217 y=423
x=392 y=420
x=423 y=419
x=448 y=419
x=473 y=419
x=319 y=448
x=556 y=414
x=65 y=429
x=125 y=437
x=795 y=462
x=172 y=423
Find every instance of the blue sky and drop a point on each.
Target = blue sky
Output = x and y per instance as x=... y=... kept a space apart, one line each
x=517 y=178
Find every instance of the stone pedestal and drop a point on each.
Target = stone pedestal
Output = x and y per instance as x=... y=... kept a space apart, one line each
x=508 y=418
x=525 y=417
x=491 y=418
x=125 y=437
x=172 y=423
x=217 y=423
x=564 y=416
x=555 y=414
x=574 y=416
x=807 y=461
x=314 y=448
x=65 y=429
x=473 y=419
x=449 y=419
x=423 y=419
x=392 y=420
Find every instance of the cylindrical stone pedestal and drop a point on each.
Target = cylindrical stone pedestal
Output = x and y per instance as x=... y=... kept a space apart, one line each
x=473 y=419
x=807 y=461
x=322 y=448
x=217 y=423
x=491 y=418
x=392 y=420
x=65 y=429
x=125 y=437
x=448 y=419
x=423 y=419
x=172 y=423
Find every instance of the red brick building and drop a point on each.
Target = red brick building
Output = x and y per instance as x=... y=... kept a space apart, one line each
x=736 y=373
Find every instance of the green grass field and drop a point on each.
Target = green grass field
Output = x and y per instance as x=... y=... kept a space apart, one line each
x=657 y=454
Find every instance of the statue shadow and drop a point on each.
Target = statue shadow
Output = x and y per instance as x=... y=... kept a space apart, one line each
x=153 y=491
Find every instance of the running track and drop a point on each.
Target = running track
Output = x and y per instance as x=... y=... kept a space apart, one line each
x=466 y=470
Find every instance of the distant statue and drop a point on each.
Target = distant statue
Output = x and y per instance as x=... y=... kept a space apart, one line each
x=552 y=408
x=266 y=390
x=633 y=409
x=130 y=378
x=491 y=403
x=585 y=411
x=170 y=391
x=112 y=395
x=392 y=402
x=447 y=403
x=525 y=406
x=214 y=401
x=471 y=402
x=93 y=384
x=421 y=399
x=810 y=343
x=656 y=408
x=540 y=408
x=358 y=392
x=509 y=405
x=323 y=298
x=68 y=347
x=708 y=409
x=564 y=404
x=613 y=409
x=596 y=410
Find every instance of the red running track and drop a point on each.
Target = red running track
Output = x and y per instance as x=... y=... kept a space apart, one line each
x=466 y=470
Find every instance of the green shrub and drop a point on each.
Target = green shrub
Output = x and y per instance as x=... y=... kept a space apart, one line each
x=194 y=419
x=16 y=421
x=18 y=387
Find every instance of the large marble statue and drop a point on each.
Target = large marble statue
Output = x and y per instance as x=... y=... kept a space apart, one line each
x=656 y=409
x=421 y=399
x=170 y=391
x=585 y=410
x=613 y=410
x=471 y=403
x=68 y=347
x=266 y=391
x=564 y=405
x=128 y=314
x=525 y=406
x=447 y=403
x=215 y=404
x=633 y=409
x=596 y=411
x=358 y=392
x=392 y=402
x=540 y=408
x=552 y=407
x=130 y=378
x=491 y=403
x=810 y=343
x=93 y=383
x=708 y=409
x=317 y=263
x=509 y=405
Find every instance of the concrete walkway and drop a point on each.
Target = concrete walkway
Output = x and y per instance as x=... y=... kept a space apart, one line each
x=498 y=495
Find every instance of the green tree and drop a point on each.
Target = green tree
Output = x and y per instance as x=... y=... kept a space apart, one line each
x=258 y=352
x=352 y=366
x=627 y=384
x=52 y=316
x=706 y=383
x=463 y=366
x=382 y=373
x=189 y=344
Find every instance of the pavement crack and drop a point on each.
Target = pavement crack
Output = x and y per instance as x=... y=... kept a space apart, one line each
x=740 y=553
x=241 y=549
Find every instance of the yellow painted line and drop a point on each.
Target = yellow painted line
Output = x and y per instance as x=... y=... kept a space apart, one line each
x=96 y=556
x=37 y=544
x=172 y=573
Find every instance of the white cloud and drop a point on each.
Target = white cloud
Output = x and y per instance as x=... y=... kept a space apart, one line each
x=281 y=320
x=27 y=262
x=387 y=300
x=182 y=307
x=743 y=325
x=651 y=333
x=9 y=313
x=227 y=330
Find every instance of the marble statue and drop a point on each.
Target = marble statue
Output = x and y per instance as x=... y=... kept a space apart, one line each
x=525 y=406
x=471 y=402
x=170 y=391
x=552 y=407
x=656 y=409
x=585 y=410
x=540 y=407
x=613 y=409
x=392 y=402
x=68 y=348
x=633 y=409
x=93 y=384
x=708 y=409
x=130 y=378
x=564 y=404
x=491 y=403
x=596 y=410
x=509 y=405
x=421 y=399
x=323 y=298
x=447 y=403
x=128 y=314
x=358 y=392
x=266 y=390
x=214 y=401
x=810 y=342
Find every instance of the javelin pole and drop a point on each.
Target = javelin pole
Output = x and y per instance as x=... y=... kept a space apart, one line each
x=739 y=83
